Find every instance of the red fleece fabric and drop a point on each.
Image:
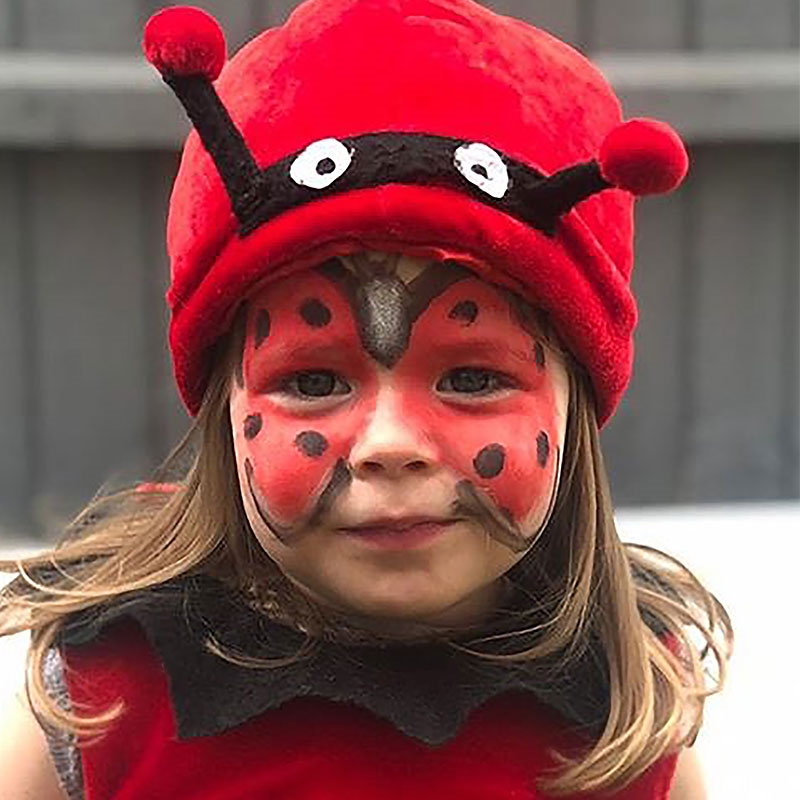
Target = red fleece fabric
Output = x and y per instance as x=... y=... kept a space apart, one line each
x=643 y=157
x=185 y=41
x=341 y=68
x=308 y=749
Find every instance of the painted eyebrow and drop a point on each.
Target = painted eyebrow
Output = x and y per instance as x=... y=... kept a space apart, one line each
x=334 y=348
x=480 y=348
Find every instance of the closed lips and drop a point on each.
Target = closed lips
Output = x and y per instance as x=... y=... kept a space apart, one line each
x=395 y=525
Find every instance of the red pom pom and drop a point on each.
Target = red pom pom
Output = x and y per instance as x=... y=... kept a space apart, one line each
x=644 y=156
x=185 y=41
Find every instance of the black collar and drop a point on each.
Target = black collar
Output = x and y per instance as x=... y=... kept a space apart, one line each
x=425 y=690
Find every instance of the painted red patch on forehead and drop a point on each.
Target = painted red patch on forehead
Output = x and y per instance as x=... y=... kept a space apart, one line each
x=297 y=338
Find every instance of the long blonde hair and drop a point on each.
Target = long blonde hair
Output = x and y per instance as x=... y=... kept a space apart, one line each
x=133 y=540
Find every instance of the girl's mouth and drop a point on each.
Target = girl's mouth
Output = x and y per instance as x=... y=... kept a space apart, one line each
x=399 y=534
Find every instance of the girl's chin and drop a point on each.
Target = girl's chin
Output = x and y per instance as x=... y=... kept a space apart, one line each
x=384 y=607
x=413 y=605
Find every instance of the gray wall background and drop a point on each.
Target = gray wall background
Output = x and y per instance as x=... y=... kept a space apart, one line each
x=88 y=148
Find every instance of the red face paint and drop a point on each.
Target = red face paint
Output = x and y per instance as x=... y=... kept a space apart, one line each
x=473 y=392
x=503 y=442
x=295 y=450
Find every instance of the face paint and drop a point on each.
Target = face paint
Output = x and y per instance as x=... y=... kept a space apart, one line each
x=252 y=426
x=263 y=326
x=465 y=372
x=497 y=441
x=296 y=453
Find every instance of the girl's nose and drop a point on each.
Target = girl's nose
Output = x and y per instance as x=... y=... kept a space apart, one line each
x=391 y=445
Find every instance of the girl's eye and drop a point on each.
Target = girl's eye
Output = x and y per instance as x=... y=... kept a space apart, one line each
x=313 y=384
x=473 y=381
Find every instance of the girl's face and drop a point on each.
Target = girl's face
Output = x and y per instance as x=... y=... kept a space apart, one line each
x=398 y=430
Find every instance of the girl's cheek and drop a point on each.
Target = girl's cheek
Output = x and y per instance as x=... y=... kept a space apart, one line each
x=509 y=455
x=291 y=459
x=292 y=456
x=508 y=449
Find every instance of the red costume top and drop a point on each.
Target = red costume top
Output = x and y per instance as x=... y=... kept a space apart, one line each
x=196 y=726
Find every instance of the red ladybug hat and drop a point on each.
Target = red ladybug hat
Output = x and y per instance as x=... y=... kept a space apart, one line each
x=436 y=128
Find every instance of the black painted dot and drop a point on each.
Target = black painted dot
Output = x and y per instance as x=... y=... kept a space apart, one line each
x=252 y=425
x=326 y=166
x=466 y=311
x=542 y=448
x=311 y=443
x=538 y=352
x=479 y=169
x=490 y=461
x=263 y=325
x=315 y=313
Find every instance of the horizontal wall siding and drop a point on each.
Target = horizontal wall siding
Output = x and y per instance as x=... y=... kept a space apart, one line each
x=641 y=25
x=7 y=24
x=167 y=420
x=275 y=12
x=562 y=19
x=712 y=410
x=87 y=262
x=66 y=83
x=641 y=445
x=745 y=217
x=87 y=396
x=636 y=25
x=77 y=25
x=744 y=24
x=16 y=329
x=113 y=27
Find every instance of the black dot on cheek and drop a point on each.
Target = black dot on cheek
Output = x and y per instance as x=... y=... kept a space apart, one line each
x=490 y=461
x=466 y=311
x=252 y=426
x=311 y=443
x=542 y=448
x=538 y=354
x=315 y=313
x=263 y=325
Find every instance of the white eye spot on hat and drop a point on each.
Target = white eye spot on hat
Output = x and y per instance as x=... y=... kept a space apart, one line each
x=483 y=167
x=321 y=163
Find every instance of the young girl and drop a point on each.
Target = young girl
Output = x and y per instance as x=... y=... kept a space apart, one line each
x=401 y=251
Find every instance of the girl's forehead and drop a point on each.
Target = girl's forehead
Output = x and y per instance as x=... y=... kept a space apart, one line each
x=350 y=288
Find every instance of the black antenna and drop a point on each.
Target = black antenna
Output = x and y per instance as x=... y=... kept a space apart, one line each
x=221 y=138
x=555 y=196
x=187 y=46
